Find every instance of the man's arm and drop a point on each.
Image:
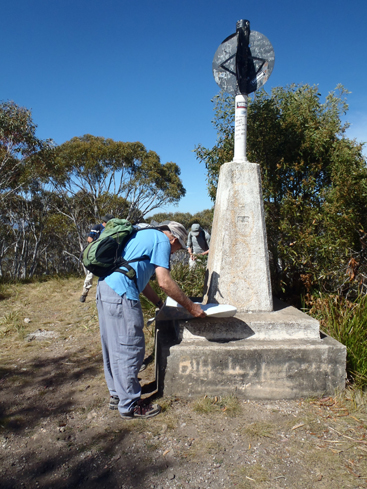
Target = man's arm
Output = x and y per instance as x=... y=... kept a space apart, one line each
x=192 y=256
x=169 y=286
x=152 y=296
x=95 y=232
x=189 y=241
x=207 y=239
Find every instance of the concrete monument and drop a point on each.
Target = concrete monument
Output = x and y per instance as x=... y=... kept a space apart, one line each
x=268 y=350
x=238 y=266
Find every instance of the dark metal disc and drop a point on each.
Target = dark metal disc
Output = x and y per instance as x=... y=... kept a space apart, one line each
x=261 y=63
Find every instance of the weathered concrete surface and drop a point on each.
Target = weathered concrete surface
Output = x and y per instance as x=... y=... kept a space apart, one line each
x=271 y=355
x=283 y=323
x=238 y=265
x=251 y=369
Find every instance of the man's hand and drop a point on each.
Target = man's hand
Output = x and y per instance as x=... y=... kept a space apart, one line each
x=196 y=311
x=169 y=286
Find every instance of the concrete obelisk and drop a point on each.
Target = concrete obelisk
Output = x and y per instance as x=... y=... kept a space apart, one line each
x=238 y=266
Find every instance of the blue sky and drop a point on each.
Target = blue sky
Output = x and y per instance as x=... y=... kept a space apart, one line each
x=142 y=71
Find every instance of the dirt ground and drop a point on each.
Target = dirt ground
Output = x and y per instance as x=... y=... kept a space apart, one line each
x=56 y=430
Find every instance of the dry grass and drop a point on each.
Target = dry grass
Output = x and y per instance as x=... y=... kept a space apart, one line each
x=260 y=429
x=251 y=475
x=51 y=305
x=226 y=405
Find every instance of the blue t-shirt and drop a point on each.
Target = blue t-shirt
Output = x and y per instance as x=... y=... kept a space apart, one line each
x=151 y=243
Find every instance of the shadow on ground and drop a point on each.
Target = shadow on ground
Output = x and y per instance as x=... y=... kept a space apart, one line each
x=56 y=429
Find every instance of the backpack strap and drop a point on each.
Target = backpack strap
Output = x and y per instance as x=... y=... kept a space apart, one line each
x=206 y=241
x=121 y=262
x=129 y=272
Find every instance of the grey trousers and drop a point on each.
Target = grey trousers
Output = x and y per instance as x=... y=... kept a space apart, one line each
x=123 y=346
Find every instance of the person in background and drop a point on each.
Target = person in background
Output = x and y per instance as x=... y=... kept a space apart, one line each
x=197 y=243
x=121 y=319
x=94 y=234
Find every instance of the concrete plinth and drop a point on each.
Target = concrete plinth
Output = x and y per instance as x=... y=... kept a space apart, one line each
x=238 y=265
x=276 y=355
x=253 y=369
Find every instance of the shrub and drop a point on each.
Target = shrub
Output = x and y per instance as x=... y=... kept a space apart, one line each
x=346 y=321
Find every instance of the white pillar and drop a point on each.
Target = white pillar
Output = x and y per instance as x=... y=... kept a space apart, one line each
x=238 y=271
x=240 y=129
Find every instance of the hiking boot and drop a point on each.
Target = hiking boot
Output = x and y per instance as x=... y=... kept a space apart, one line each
x=82 y=298
x=147 y=410
x=114 y=402
x=143 y=411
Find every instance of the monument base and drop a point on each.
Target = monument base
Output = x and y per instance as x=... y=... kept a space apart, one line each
x=277 y=355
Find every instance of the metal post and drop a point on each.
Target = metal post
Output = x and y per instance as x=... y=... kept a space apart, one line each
x=240 y=129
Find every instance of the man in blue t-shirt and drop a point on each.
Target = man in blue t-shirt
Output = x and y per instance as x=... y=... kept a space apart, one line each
x=121 y=318
x=94 y=234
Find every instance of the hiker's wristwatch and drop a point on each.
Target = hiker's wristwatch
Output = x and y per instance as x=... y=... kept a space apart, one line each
x=159 y=303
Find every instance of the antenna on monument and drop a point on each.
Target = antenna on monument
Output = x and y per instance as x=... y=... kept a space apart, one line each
x=242 y=64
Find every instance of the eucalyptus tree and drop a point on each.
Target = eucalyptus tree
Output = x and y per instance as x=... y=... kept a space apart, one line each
x=204 y=218
x=23 y=156
x=313 y=176
x=24 y=215
x=103 y=169
x=181 y=217
x=94 y=176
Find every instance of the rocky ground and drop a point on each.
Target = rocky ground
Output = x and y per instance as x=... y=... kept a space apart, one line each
x=56 y=430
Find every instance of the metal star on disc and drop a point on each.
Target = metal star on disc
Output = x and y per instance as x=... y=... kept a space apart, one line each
x=260 y=63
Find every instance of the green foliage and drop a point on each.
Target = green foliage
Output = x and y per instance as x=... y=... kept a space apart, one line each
x=204 y=218
x=181 y=217
x=23 y=157
x=222 y=152
x=346 y=322
x=313 y=177
x=106 y=170
x=190 y=281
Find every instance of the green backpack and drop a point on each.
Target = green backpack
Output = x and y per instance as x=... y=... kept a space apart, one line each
x=103 y=256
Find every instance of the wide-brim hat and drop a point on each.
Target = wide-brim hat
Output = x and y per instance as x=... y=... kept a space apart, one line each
x=177 y=230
